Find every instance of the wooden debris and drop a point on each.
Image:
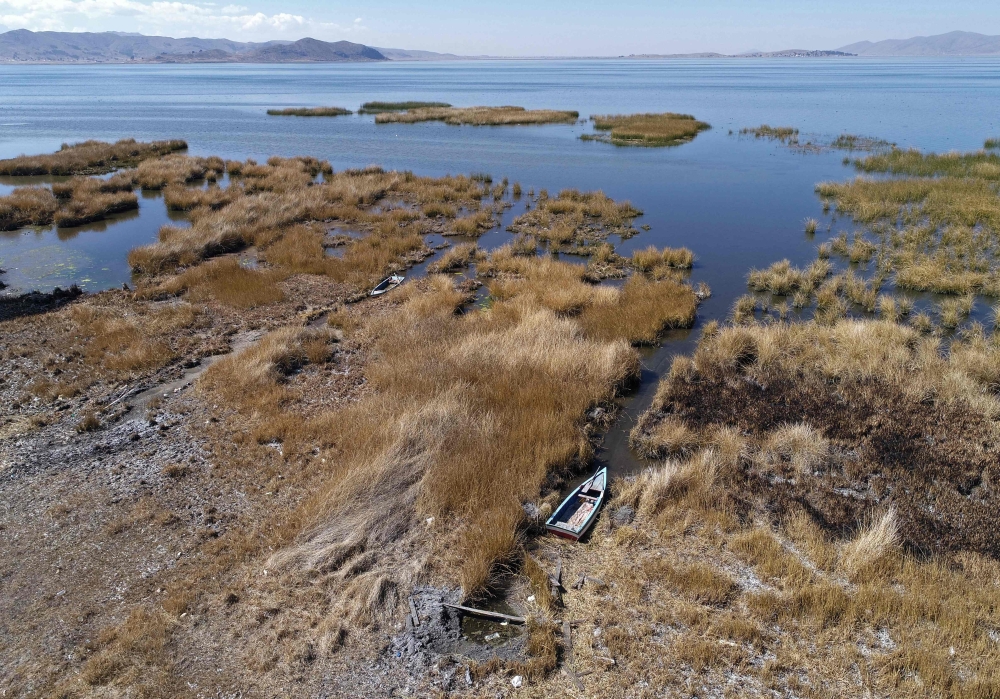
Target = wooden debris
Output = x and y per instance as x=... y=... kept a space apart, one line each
x=486 y=614
x=579 y=581
x=413 y=611
x=568 y=644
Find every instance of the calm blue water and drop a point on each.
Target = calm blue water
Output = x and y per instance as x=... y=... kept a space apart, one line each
x=738 y=203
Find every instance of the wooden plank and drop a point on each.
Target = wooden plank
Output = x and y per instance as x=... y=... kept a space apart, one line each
x=568 y=644
x=485 y=613
x=413 y=611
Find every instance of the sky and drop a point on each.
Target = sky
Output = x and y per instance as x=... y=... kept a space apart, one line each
x=522 y=27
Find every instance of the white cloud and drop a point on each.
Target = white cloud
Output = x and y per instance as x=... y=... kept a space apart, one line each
x=169 y=17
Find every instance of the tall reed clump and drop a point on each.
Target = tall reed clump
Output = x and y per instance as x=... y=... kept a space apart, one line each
x=89 y=158
x=664 y=129
x=91 y=199
x=228 y=283
x=653 y=261
x=178 y=169
x=310 y=111
x=477 y=116
x=27 y=206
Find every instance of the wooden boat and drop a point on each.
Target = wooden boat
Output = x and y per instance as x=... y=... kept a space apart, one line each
x=387 y=284
x=578 y=512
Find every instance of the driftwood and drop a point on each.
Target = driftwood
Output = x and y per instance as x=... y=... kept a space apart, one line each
x=486 y=614
x=555 y=583
x=568 y=644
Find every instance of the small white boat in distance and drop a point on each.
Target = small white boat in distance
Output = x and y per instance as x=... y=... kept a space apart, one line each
x=387 y=284
x=578 y=512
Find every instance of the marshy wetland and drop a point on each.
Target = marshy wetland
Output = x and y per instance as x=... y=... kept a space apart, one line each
x=244 y=474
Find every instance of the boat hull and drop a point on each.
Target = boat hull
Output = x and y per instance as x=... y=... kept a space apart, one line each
x=577 y=504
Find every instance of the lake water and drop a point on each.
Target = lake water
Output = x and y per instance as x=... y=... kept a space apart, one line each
x=737 y=202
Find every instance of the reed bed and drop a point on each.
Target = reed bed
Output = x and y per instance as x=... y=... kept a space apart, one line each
x=380 y=107
x=785 y=134
x=664 y=129
x=310 y=111
x=177 y=169
x=574 y=218
x=27 y=206
x=89 y=206
x=478 y=116
x=228 y=283
x=72 y=203
x=639 y=312
x=89 y=158
x=912 y=162
x=992 y=144
x=180 y=198
x=850 y=142
x=459 y=257
x=655 y=261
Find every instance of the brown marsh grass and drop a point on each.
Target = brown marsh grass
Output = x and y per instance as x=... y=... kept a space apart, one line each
x=269 y=200
x=458 y=257
x=664 y=129
x=576 y=220
x=448 y=405
x=89 y=158
x=310 y=111
x=91 y=199
x=180 y=198
x=177 y=169
x=651 y=259
x=227 y=282
x=774 y=430
x=478 y=116
x=78 y=201
x=27 y=206
x=639 y=311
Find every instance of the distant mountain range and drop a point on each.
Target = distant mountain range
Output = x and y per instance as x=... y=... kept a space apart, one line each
x=23 y=46
x=950 y=44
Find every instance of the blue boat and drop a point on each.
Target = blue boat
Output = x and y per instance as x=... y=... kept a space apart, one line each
x=578 y=511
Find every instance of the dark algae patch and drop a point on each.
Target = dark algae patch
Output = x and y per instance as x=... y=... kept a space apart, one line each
x=880 y=423
x=379 y=107
x=310 y=111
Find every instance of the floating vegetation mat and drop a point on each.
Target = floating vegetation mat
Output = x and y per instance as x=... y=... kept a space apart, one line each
x=666 y=129
x=478 y=116
x=310 y=111
x=379 y=107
